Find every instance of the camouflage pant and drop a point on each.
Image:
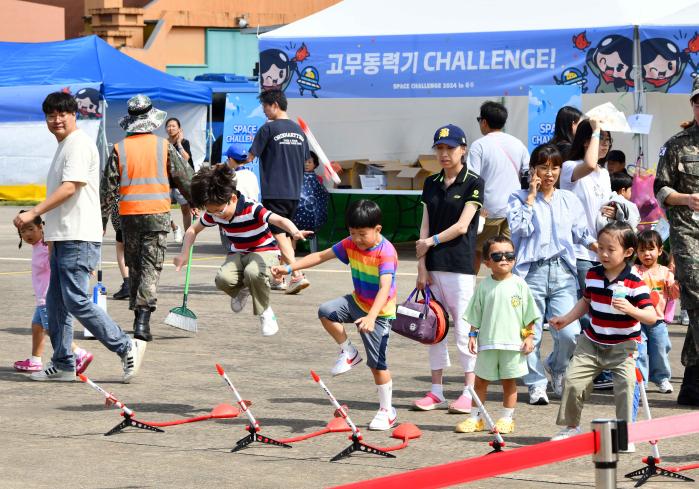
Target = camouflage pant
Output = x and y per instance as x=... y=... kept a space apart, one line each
x=144 y=252
x=690 y=350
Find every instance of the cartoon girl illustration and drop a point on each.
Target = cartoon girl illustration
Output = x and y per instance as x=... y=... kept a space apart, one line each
x=663 y=64
x=88 y=100
x=611 y=62
x=277 y=69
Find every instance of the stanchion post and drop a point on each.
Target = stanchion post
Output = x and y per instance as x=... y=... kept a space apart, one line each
x=610 y=436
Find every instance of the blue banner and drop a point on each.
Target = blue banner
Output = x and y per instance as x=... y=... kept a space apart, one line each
x=241 y=120
x=23 y=103
x=448 y=65
x=669 y=58
x=544 y=103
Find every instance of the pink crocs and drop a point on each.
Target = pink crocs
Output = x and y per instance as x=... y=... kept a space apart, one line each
x=429 y=402
x=83 y=361
x=461 y=406
x=28 y=366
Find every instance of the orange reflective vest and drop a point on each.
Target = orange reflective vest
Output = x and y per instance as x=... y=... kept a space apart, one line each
x=145 y=188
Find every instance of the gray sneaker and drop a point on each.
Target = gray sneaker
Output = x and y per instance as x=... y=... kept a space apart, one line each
x=238 y=302
x=51 y=373
x=132 y=359
x=537 y=396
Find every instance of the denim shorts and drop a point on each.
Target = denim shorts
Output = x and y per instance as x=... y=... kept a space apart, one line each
x=41 y=316
x=345 y=310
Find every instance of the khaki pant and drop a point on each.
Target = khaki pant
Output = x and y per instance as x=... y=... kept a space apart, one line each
x=251 y=270
x=588 y=361
x=493 y=227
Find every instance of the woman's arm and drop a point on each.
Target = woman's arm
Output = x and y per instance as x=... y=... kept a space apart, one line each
x=457 y=229
x=520 y=215
x=589 y=163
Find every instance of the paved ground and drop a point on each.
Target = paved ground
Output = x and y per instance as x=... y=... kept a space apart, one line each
x=52 y=434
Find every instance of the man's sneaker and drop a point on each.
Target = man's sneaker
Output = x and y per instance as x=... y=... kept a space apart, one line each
x=603 y=384
x=28 y=365
x=557 y=384
x=296 y=285
x=630 y=448
x=268 y=322
x=123 y=292
x=461 y=406
x=132 y=359
x=684 y=317
x=178 y=234
x=83 y=361
x=274 y=285
x=383 y=420
x=537 y=396
x=505 y=425
x=470 y=425
x=345 y=362
x=429 y=402
x=545 y=327
x=51 y=373
x=665 y=387
x=566 y=432
x=238 y=302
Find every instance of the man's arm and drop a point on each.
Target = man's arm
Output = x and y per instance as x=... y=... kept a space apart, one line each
x=64 y=191
x=108 y=187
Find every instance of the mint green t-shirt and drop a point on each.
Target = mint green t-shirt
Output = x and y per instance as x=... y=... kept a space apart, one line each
x=500 y=309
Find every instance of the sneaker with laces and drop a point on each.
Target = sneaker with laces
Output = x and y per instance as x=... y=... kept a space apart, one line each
x=83 y=361
x=665 y=387
x=238 y=302
x=268 y=322
x=429 y=402
x=462 y=405
x=296 y=285
x=603 y=384
x=281 y=285
x=505 y=425
x=178 y=234
x=384 y=420
x=566 y=432
x=537 y=396
x=345 y=362
x=28 y=365
x=51 y=373
x=131 y=360
x=470 y=425
x=684 y=317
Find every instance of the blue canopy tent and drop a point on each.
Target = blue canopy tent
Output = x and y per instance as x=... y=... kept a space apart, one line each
x=30 y=71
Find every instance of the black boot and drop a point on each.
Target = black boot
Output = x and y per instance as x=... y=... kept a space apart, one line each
x=689 y=392
x=123 y=292
x=141 y=325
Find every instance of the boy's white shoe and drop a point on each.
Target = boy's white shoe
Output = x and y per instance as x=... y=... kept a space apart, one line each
x=131 y=360
x=665 y=387
x=51 y=373
x=345 y=362
x=238 y=302
x=566 y=432
x=178 y=234
x=268 y=321
x=384 y=420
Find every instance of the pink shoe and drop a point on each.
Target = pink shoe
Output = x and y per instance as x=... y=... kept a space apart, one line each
x=28 y=366
x=461 y=406
x=429 y=402
x=82 y=362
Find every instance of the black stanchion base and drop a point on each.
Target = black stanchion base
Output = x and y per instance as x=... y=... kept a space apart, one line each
x=497 y=447
x=129 y=421
x=652 y=470
x=358 y=446
x=256 y=437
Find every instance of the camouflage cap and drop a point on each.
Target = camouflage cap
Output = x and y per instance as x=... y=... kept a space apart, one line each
x=143 y=117
x=695 y=88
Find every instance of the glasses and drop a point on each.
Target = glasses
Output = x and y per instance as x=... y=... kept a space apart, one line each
x=548 y=170
x=55 y=117
x=222 y=211
x=497 y=257
x=605 y=142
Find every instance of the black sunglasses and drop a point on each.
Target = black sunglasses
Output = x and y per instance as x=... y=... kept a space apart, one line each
x=497 y=257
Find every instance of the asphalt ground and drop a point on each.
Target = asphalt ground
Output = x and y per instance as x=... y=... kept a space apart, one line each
x=52 y=435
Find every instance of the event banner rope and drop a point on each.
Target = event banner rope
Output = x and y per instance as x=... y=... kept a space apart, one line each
x=482 y=467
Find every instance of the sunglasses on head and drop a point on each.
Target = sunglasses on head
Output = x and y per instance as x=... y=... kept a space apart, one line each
x=497 y=257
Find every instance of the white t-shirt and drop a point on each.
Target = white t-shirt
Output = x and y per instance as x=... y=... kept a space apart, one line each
x=593 y=191
x=246 y=184
x=499 y=159
x=78 y=218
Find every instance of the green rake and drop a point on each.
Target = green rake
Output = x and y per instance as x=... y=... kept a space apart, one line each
x=182 y=317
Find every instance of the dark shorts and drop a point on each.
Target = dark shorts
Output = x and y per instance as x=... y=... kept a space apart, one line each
x=283 y=207
x=119 y=236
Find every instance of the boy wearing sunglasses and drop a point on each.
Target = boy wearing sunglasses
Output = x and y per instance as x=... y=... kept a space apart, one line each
x=502 y=314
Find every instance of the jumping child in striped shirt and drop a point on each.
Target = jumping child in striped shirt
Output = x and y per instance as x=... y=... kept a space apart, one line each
x=618 y=301
x=371 y=307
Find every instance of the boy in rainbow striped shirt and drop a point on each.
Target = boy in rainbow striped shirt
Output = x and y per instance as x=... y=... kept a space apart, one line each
x=371 y=307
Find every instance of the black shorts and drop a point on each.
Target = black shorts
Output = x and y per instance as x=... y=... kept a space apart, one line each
x=283 y=207
x=119 y=236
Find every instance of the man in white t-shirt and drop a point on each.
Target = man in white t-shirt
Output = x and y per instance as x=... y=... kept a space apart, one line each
x=499 y=159
x=74 y=232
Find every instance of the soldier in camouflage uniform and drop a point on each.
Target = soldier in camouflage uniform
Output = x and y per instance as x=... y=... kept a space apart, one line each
x=145 y=234
x=677 y=190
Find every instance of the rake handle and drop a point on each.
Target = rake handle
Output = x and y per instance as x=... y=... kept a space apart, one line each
x=186 y=278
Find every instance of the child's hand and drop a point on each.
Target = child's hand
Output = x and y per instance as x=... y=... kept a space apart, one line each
x=472 y=345
x=527 y=345
x=302 y=235
x=365 y=324
x=623 y=305
x=558 y=323
x=179 y=261
x=278 y=272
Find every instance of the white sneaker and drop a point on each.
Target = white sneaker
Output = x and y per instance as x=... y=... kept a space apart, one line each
x=345 y=362
x=281 y=285
x=557 y=383
x=131 y=360
x=684 y=317
x=384 y=420
x=297 y=285
x=545 y=327
x=566 y=432
x=630 y=448
x=537 y=396
x=268 y=321
x=665 y=387
x=178 y=234
x=238 y=302
x=51 y=373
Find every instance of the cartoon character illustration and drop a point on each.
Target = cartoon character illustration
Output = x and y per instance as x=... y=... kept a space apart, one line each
x=309 y=80
x=693 y=48
x=573 y=76
x=277 y=69
x=611 y=62
x=88 y=100
x=580 y=41
x=663 y=64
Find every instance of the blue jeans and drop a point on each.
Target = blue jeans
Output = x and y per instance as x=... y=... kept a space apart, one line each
x=553 y=286
x=69 y=296
x=655 y=361
x=583 y=267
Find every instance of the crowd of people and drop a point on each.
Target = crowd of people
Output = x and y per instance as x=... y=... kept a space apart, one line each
x=560 y=241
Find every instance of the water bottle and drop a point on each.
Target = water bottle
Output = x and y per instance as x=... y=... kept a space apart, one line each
x=620 y=292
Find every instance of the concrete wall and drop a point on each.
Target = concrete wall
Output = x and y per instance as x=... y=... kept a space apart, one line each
x=31 y=22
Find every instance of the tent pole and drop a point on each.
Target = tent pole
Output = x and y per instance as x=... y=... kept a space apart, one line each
x=639 y=102
x=209 y=135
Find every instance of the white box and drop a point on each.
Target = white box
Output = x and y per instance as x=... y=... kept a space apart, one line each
x=373 y=182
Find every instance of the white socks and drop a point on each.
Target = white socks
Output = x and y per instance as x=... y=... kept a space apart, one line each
x=385 y=395
x=507 y=413
x=348 y=347
x=438 y=391
x=36 y=359
x=466 y=392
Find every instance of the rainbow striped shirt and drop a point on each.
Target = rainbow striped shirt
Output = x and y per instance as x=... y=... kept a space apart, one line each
x=367 y=266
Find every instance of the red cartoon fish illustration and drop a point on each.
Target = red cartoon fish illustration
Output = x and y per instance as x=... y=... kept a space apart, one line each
x=580 y=41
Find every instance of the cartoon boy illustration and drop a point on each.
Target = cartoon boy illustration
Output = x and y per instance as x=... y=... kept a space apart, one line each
x=663 y=64
x=611 y=62
x=88 y=100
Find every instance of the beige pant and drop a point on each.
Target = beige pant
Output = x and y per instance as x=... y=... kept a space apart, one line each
x=588 y=361
x=251 y=270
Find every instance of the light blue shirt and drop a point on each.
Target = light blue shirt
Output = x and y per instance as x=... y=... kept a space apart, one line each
x=546 y=230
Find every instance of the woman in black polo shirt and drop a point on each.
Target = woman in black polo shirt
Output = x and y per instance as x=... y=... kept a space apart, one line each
x=445 y=251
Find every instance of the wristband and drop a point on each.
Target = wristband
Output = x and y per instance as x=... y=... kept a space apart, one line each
x=435 y=239
x=473 y=334
x=596 y=134
x=526 y=332
x=288 y=270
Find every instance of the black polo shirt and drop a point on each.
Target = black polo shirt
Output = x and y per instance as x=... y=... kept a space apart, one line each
x=444 y=208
